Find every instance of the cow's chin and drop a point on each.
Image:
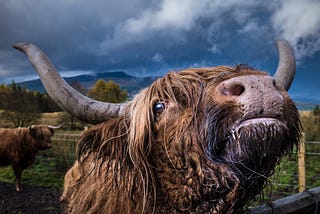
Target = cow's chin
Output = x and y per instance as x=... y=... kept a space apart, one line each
x=256 y=145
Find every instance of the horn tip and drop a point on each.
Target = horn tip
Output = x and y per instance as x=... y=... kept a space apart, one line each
x=283 y=42
x=21 y=46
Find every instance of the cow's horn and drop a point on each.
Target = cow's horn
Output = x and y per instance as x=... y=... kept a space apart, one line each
x=54 y=127
x=287 y=65
x=80 y=106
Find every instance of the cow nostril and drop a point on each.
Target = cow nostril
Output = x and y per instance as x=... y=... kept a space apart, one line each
x=233 y=90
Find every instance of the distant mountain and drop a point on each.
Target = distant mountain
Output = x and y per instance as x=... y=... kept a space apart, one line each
x=127 y=82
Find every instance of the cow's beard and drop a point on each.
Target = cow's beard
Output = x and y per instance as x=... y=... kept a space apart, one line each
x=253 y=148
x=257 y=147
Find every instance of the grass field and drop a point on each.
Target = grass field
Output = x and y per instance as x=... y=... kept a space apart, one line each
x=41 y=173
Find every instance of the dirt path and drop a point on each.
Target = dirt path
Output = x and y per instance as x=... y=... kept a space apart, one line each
x=35 y=200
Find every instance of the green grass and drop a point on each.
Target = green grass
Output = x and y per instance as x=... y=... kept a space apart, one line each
x=41 y=173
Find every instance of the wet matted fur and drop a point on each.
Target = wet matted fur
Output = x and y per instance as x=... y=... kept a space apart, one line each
x=177 y=149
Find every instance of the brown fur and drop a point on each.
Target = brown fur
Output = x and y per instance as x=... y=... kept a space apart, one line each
x=186 y=159
x=18 y=147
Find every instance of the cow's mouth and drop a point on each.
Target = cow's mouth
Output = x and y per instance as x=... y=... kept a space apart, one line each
x=253 y=139
x=254 y=121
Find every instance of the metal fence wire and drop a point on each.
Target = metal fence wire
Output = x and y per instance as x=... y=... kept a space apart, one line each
x=292 y=175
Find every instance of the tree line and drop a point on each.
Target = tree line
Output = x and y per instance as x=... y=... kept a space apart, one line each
x=21 y=107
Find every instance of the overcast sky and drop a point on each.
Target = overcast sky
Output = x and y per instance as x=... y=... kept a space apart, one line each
x=151 y=37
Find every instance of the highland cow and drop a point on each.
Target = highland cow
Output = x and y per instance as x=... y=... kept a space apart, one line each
x=202 y=140
x=19 y=146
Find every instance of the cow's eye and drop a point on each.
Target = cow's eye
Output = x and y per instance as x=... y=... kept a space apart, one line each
x=158 y=108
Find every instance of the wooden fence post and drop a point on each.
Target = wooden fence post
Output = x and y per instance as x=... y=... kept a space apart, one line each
x=302 y=164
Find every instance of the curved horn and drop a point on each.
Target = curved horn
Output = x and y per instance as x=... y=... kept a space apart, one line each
x=78 y=105
x=54 y=127
x=287 y=65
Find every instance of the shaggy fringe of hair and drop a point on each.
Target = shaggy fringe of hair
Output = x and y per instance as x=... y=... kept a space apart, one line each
x=127 y=141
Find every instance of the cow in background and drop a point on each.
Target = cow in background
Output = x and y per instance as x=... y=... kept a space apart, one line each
x=19 y=146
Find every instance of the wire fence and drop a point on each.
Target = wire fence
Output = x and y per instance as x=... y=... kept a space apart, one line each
x=296 y=173
x=312 y=157
x=63 y=150
x=284 y=182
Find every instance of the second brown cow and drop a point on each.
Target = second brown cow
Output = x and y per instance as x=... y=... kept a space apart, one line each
x=19 y=146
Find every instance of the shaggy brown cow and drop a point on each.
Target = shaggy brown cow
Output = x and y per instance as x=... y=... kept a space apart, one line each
x=18 y=147
x=201 y=140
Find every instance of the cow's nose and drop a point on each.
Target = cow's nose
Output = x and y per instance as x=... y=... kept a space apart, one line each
x=235 y=89
x=246 y=87
x=254 y=94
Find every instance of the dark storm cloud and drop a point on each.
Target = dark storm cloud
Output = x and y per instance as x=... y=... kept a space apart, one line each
x=69 y=31
x=146 y=37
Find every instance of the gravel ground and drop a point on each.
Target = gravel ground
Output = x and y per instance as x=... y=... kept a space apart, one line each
x=32 y=199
